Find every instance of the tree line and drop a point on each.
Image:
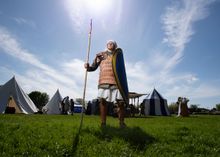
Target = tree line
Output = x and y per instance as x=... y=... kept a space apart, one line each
x=40 y=99
x=173 y=108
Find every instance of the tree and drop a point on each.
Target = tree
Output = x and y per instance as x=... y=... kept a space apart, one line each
x=194 y=108
x=39 y=99
x=173 y=108
x=218 y=107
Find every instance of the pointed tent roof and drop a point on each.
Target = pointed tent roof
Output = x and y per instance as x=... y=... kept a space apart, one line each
x=154 y=95
x=155 y=104
x=13 y=89
x=53 y=106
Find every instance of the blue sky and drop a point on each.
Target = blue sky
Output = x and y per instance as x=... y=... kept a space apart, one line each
x=170 y=45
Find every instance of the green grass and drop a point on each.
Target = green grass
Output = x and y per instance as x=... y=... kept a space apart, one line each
x=44 y=135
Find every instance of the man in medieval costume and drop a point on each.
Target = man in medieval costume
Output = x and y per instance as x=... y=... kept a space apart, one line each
x=107 y=87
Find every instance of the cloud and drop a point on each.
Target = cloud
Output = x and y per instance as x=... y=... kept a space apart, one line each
x=157 y=71
x=139 y=76
x=206 y=91
x=22 y=21
x=36 y=70
x=12 y=47
x=75 y=70
x=75 y=11
x=144 y=76
x=196 y=92
x=69 y=76
x=178 y=22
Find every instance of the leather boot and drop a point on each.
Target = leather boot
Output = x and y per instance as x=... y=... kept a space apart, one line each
x=121 y=114
x=103 y=111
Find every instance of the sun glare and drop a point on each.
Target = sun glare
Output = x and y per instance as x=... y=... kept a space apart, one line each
x=98 y=6
x=81 y=10
x=91 y=7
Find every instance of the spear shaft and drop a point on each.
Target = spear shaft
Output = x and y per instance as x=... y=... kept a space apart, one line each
x=86 y=73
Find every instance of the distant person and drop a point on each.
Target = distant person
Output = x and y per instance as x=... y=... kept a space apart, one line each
x=107 y=88
x=62 y=107
x=132 y=110
x=89 y=108
x=65 y=105
x=142 y=109
x=97 y=107
x=72 y=106
x=182 y=107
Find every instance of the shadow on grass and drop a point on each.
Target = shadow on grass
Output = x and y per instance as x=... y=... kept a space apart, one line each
x=145 y=117
x=75 y=143
x=135 y=136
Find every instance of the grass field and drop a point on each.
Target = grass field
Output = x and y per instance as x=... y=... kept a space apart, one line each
x=44 y=135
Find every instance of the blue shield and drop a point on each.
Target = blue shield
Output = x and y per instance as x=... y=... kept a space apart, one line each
x=120 y=74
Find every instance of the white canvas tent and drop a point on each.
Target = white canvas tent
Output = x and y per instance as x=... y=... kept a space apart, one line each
x=54 y=105
x=12 y=95
x=12 y=104
x=155 y=104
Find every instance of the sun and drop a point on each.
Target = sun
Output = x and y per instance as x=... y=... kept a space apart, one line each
x=90 y=7
x=97 y=6
x=81 y=11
